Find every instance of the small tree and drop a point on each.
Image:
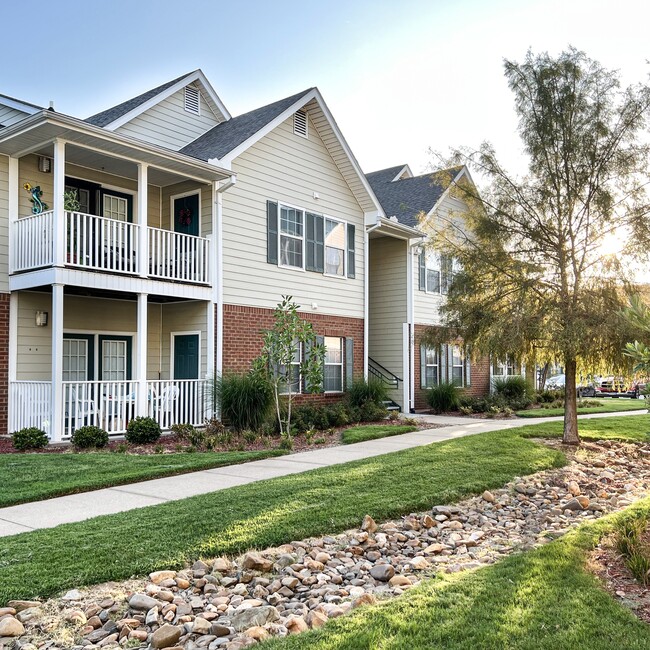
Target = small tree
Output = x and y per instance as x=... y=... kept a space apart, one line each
x=281 y=359
x=638 y=316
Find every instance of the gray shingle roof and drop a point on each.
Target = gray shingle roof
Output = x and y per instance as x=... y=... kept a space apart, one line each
x=407 y=198
x=225 y=137
x=112 y=114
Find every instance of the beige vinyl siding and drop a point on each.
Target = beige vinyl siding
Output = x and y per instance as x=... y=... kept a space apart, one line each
x=188 y=187
x=287 y=168
x=387 y=293
x=102 y=316
x=4 y=223
x=9 y=116
x=28 y=173
x=168 y=124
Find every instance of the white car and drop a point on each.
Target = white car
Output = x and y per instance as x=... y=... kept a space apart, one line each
x=558 y=382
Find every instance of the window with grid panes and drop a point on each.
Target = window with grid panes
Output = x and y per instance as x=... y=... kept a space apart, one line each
x=291 y=237
x=333 y=366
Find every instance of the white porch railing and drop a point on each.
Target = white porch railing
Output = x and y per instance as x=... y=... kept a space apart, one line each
x=101 y=244
x=177 y=401
x=30 y=405
x=32 y=241
x=177 y=256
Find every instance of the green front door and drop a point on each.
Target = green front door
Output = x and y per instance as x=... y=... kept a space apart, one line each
x=186 y=356
x=187 y=215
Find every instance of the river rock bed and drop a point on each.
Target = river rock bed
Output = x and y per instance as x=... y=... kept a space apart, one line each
x=234 y=603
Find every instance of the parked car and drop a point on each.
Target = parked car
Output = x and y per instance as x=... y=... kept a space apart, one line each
x=583 y=389
x=619 y=387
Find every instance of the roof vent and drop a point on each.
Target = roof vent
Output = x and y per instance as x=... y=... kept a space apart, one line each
x=300 y=123
x=192 y=103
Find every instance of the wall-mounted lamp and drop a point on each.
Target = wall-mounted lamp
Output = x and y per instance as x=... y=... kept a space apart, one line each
x=314 y=305
x=44 y=164
x=41 y=318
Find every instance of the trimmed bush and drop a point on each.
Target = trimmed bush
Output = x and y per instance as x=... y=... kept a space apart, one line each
x=444 y=397
x=89 y=436
x=29 y=438
x=512 y=388
x=373 y=412
x=360 y=392
x=245 y=400
x=142 y=430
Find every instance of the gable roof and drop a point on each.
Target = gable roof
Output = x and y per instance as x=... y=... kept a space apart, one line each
x=407 y=198
x=19 y=104
x=223 y=138
x=131 y=108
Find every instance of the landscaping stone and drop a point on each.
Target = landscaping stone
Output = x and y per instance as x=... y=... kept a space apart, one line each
x=142 y=602
x=166 y=636
x=10 y=626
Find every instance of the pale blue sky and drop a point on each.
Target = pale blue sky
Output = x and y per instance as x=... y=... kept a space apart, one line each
x=399 y=76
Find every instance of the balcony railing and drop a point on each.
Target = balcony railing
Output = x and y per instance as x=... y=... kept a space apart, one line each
x=109 y=246
x=106 y=404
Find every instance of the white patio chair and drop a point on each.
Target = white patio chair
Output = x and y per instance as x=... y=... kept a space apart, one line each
x=166 y=401
x=79 y=409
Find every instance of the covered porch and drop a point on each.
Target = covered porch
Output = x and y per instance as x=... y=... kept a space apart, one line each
x=106 y=358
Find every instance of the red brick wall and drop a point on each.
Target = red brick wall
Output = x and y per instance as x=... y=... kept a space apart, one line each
x=242 y=339
x=4 y=360
x=480 y=374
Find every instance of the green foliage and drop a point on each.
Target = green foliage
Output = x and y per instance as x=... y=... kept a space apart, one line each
x=142 y=430
x=89 y=436
x=544 y=396
x=373 y=412
x=361 y=391
x=634 y=549
x=281 y=347
x=444 y=397
x=512 y=388
x=245 y=400
x=29 y=438
x=374 y=432
x=638 y=315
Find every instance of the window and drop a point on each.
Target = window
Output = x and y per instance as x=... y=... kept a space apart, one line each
x=446 y=273
x=432 y=367
x=436 y=272
x=115 y=207
x=192 y=100
x=504 y=368
x=456 y=373
x=334 y=247
x=292 y=374
x=75 y=359
x=114 y=355
x=333 y=367
x=291 y=237
x=300 y=123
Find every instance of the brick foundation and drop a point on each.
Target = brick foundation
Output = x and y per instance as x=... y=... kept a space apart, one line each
x=242 y=339
x=4 y=361
x=480 y=374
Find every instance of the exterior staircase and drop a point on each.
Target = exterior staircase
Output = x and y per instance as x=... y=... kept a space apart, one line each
x=389 y=379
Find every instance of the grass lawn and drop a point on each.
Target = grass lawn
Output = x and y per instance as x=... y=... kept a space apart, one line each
x=374 y=431
x=262 y=514
x=632 y=428
x=543 y=599
x=32 y=477
x=607 y=406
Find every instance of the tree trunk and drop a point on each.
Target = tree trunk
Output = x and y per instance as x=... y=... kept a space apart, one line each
x=570 y=436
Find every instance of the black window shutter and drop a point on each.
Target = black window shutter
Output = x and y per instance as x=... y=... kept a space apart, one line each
x=352 y=258
x=422 y=271
x=315 y=242
x=271 y=232
x=349 y=361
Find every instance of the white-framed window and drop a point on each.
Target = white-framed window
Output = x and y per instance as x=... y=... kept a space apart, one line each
x=75 y=359
x=335 y=247
x=431 y=367
x=457 y=366
x=114 y=360
x=115 y=207
x=333 y=367
x=504 y=368
x=294 y=376
x=292 y=237
x=440 y=270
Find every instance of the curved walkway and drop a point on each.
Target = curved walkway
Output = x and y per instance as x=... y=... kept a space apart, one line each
x=86 y=505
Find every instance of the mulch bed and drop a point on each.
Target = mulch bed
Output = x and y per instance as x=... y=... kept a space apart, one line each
x=608 y=565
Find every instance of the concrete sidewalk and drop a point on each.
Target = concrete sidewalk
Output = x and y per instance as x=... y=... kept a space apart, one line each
x=77 y=507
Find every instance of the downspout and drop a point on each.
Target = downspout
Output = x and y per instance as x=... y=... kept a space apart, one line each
x=366 y=283
x=217 y=277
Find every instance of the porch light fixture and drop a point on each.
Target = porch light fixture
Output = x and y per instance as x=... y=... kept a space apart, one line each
x=41 y=318
x=44 y=164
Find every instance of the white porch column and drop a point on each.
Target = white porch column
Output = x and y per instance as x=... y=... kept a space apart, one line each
x=56 y=424
x=58 y=204
x=217 y=273
x=141 y=365
x=143 y=233
x=13 y=354
x=13 y=207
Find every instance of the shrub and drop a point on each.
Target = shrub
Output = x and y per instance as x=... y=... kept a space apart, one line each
x=512 y=388
x=30 y=438
x=183 y=431
x=142 y=430
x=372 y=412
x=548 y=396
x=444 y=397
x=89 y=436
x=337 y=416
x=245 y=400
x=360 y=392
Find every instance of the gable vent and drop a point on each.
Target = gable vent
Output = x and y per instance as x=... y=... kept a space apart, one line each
x=192 y=100
x=300 y=123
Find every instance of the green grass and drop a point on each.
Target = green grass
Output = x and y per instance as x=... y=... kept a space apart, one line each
x=629 y=428
x=607 y=406
x=540 y=600
x=262 y=514
x=32 y=477
x=374 y=432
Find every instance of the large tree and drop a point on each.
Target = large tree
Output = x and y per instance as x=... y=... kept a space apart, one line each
x=537 y=278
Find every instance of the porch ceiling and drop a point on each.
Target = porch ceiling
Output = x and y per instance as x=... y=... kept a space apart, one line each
x=94 y=147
